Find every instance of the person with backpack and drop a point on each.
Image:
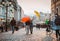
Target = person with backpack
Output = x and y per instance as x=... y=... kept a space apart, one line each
x=57 y=23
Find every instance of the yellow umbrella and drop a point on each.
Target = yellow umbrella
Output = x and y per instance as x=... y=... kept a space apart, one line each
x=37 y=13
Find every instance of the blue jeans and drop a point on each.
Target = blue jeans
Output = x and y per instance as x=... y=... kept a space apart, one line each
x=27 y=29
x=31 y=28
x=56 y=28
x=12 y=29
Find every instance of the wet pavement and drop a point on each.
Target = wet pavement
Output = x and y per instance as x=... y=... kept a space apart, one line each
x=20 y=35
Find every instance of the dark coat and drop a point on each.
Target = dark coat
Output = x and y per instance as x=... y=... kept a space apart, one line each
x=27 y=23
x=13 y=22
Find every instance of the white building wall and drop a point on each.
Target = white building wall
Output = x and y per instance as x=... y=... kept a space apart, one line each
x=19 y=12
x=22 y=13
x=15 y=15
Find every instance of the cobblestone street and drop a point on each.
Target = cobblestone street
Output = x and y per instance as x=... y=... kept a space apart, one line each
x=38 y=35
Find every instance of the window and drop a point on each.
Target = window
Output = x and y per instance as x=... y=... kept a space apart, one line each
x=3 y=10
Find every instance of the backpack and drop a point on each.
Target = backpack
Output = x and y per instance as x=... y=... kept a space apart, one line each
x=57 y=20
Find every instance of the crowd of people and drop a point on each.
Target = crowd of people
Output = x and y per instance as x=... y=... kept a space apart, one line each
x=15 y=26
x=28 y=25
x=53 y=24
x=2 y=26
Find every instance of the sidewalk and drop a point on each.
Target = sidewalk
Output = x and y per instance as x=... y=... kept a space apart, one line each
x=38 y=35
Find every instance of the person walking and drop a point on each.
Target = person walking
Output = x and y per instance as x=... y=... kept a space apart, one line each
x=57 y=23
x=1 y=28
x=27 y=26
x=13 y=23
x=31 y=27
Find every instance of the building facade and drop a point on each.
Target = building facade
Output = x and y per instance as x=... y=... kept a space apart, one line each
x=55 y=6
x=13 y=10
x=17 y=16
x=22 y=13
x=9 y=7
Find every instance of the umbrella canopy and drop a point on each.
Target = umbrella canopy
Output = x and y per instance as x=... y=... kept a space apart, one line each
x=25 y=19
x=37 y=13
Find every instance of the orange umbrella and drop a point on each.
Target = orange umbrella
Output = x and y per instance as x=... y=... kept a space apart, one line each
x=25 y=19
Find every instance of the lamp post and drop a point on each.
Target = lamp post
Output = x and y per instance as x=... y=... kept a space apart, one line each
x=6 y=4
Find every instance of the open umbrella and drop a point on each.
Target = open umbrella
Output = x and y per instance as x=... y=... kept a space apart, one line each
x=25 y=19
x=37 y=14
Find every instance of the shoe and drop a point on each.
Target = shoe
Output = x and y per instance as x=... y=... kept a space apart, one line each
x=31 y=32
x=12 y=32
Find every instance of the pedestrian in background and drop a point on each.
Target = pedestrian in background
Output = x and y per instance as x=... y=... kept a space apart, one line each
x=27 y=27
x=57 y=23
x=54 y=26
x=1 y=28
x=13 y=23
x=31 y=27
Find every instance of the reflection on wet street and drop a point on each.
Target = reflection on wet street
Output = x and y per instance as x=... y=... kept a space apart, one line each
x=38 y=35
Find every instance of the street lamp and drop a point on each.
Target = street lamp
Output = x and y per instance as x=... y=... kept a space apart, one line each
x=6 y=4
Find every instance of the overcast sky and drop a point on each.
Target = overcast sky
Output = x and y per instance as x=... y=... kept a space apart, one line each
x=39 y=5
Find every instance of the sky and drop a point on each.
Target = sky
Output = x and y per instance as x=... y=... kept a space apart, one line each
x=30 y=5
